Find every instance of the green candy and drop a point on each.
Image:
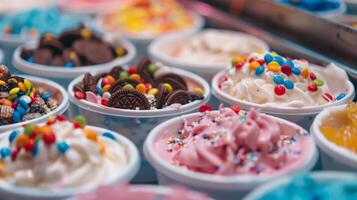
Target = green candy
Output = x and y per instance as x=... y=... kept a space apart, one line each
x=152 y=68
x=319 y=83
x=29 y=129
x=128 y=87
x=80 y=120
x=123 y=75
x=12 y=97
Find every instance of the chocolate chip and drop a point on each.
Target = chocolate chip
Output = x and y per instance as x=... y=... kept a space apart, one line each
x=142 y=70
x=89 y=83
x=97 y=52
x=43 y=56
x=129 y=99
x=68 y=37
x=119 y=84
x=179 y=96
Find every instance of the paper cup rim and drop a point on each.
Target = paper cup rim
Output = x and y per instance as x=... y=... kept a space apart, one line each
x=1 y=56
x=142 y=39
x=129 y=172
x=93 y=107
x=222 y=96
x=62 y=107
x=319 y=176
x=337 y=152
x=164 y=58
x=68 y=73
x=237 y=182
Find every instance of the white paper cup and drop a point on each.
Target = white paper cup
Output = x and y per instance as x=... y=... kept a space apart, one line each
x=333 y=156
x=320 y=177
x=302 y=116
x=64 y=75
x=59 y=93
x=161 y=47
x=217 y=186
x=19 y=192
x=141 y=42
x=136 y=124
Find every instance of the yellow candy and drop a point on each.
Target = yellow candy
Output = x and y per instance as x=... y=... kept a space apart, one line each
x=105 y=88
x=274 y=66
x=305 y=72
x=91 y=135
x=273 y=53
x=21 y=86
x=21 y=140
x=135 y=76
x=198 y=91
x=2 y=82
x=120 y=51
x=13 y=80
x=153 y=91
x=1 y=166
x=14 y=90
x=45 y=129
x=27 y=84
x=168 y=87
x=72 y=55
x=86 y=34
x=101 y=147
x=141 y=88
x=254 y=65
x=238 y=59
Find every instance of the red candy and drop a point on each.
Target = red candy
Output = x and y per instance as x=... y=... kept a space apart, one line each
x=204 y=108
x=29 y=145
x=132 y=70
x=312 y=76
x=239 y=65
x=279 y=90
x=14 y=105
x=76 y=125
x=251 y=59
x=261 y=62
x=61 y=118
x=49 y=138
x=15 y=153
x=286 y=70
x=107 y=81
x=312 y=87
x=79 y=95
x=104 y=102
x=148 y=86
x=328 y=97
x=236 y=108
x=34 y=134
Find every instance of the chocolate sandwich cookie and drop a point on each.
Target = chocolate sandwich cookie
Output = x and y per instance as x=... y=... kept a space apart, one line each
x=42 y=56
x=98 y=52
x=174 y=80
x=51 y=42
x=179 y=96
x=161 y=97
x=129 y=99
x=121 y=83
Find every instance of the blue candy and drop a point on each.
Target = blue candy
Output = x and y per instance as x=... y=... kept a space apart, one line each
x=259 y=70
x=109 y=135
x=30 y=59
x=69 y=64
x=16 y=116
x=289 y=84
x=290 y=64
x=296 y=71
x=20 y=110
x=99 y=91
x=268 y=58
x=35 y=150
x=62 y=147
x=23 y=104
x=13 y=135
x=278 y=80
x=341 y=96
x=46 y=95
x=5 y=152
x=279 y=60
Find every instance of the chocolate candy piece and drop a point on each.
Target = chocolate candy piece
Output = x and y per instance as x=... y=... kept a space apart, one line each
x=116 y=71
x=43 y=56
x=51 y=43
x=174 y=80
x=129 y=99
x=179 y=96
x=98 y=53
x=80 y=46
x=57 y=61
x=119 y=84
x=79 y=87
x=71 y=56
x=89 y=83
x=142 y=70
x=68 y=37
x=161 y=97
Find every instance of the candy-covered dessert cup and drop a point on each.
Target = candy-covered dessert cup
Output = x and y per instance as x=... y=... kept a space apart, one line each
x=64 y=75
x=136 y=124
x=296 y=91
x=8 y=191
x=219 y=184
x=325 y=177
x=58 y=93
x=333 y=156
x=204 y=63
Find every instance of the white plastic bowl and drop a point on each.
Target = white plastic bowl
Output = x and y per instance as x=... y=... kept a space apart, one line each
x=217 y=186
x=62 y=74
x=135 y=124
x=21 y=192
x=325 y=176
x=333 y=156
x=51 y=86
x=1 y=56
x=159 y=48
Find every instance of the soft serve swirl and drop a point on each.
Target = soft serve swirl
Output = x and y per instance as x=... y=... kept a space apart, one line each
x=65 y=155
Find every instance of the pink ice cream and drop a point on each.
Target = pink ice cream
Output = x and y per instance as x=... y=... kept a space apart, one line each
x=228 y=143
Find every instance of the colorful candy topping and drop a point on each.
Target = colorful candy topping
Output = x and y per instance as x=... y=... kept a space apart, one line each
x=20 y=100
x=148 y=17
x=231 y=141
x=60 y=154
x=143 y=87
x=341 y=127
x=271 y=78
x=73 y=48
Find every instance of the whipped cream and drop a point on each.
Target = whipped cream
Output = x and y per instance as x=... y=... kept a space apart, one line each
x=228 y=143
x=290 y=83
x=76 y=158
x=213 y=47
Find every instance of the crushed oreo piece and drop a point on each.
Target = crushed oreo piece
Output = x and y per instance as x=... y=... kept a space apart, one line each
x=89 y=83
x=179 y=96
